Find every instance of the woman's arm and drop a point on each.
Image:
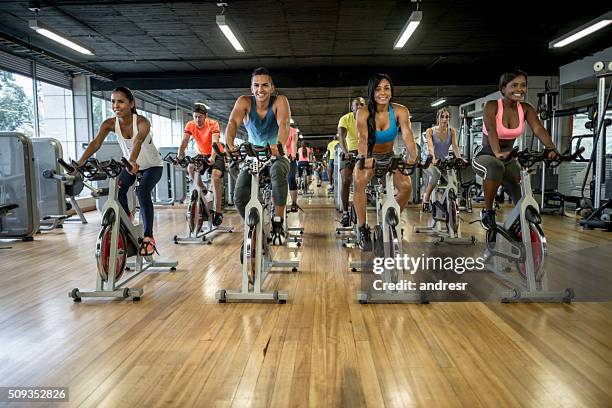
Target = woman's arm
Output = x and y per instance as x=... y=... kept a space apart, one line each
x=488 y=117
x=404 y=121
x=105 y=128
x=455 y=143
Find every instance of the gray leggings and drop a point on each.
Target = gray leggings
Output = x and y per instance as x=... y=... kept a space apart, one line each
x=433 y=175
x=280 y=186
x=507 y=173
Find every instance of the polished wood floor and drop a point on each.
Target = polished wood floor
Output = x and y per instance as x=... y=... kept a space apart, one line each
x=179 y=347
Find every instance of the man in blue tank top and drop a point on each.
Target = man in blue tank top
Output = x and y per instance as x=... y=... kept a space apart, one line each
x=266 y=119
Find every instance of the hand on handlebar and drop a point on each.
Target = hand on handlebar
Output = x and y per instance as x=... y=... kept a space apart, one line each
x=274 y=150
x=135 y=167
x=502 y=155
x=553 y=154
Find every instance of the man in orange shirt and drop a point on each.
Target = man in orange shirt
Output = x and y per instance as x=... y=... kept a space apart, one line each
x=205 y=132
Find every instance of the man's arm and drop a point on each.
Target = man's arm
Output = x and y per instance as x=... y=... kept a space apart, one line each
x=216 y=134
x=283 y=119
x=342 y=132
x=404 y=121
x=362 y=131
x=236 y=118
x=184 y=143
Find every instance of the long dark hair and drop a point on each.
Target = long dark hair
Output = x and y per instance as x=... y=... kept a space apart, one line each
x=128 y=93
x=372 y=84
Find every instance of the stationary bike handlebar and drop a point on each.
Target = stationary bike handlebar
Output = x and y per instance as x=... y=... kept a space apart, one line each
x=396 y=163
x=452 y=163
x=528 y=158
x=92 y=169
x=260 y=153
x=200 y=161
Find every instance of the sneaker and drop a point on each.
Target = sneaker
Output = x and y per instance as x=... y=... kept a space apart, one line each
x=294 y=208
x=364 y=239
x=319 y=184
x=346 y=220
x=277 y=236
x=217 y=219
x=330 y=189
x=487 y=219
x=426 y=207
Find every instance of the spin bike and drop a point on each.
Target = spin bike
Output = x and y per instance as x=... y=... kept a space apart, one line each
x=444 y=207
x=118 y=239
x=510 y=251
x=199 y=209
x=387 y=234
x=256 y=255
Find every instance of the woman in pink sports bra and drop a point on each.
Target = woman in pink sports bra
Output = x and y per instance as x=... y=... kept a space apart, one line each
x=503 y=122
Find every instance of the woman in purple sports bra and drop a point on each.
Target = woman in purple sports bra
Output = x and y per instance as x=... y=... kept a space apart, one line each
x=503 y=122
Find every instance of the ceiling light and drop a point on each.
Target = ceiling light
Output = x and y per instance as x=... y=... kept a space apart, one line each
x=439 y=101
x=411 y=25
x=582 y=31
x=61 y=38
x=227 y=31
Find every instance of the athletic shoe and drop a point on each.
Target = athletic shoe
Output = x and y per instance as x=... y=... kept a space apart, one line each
x=487 y=219
x=364 y=239
x=294 y=208
x=426 y=207
x=217 y=219
x=345 y=222
x=277 y=236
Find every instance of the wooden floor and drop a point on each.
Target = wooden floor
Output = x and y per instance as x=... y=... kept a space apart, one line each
x=179 y=347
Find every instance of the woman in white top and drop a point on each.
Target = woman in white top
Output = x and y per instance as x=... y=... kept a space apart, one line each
x=134 y=138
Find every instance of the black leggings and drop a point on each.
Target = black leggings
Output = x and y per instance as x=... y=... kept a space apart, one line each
x=149 y=178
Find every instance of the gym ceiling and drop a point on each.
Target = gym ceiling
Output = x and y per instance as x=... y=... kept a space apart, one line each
x=321 y=53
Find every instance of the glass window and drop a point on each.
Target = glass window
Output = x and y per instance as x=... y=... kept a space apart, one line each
x=16 y=106
x=56 y=116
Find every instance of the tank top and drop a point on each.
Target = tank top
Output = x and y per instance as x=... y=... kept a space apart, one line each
x=262 y=131
x=304 y=153
x=388 y=135
x=289 y=143
x=503 y=133
x=149 y=155
x=440 y=147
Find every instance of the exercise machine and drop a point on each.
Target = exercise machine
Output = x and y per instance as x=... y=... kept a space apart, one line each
x=387 y=235
x=18 y=186
x=256 y=253
x=199 y=210
x=444 y=206
x=518 y=246
x=602 y=211
x=117 y=241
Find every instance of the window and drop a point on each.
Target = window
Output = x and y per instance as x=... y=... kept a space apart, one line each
x=56 y=116
x=16 y=106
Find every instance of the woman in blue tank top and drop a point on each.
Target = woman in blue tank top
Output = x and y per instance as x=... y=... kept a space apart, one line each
x=377 y=127
x=439 y=138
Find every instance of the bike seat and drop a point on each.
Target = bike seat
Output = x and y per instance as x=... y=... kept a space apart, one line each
x=253 y=217
x=391 y=218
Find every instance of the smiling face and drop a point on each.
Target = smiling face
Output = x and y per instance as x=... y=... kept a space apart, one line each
x=382 y=92
x=515 y=89
x=121 y=104
x=262 y=87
